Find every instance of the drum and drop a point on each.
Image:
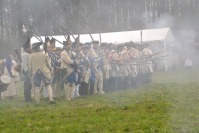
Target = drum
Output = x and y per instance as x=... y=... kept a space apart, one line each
x=5 y=80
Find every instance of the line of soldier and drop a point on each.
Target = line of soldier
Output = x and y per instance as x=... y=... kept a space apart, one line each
x=83 y=69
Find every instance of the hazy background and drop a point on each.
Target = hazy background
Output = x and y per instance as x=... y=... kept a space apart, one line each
x=58 y=17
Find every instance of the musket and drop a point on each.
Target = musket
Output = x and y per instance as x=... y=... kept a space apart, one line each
x=18 y=66
x=77 y=41
x=18 y=54
x=72 y=35
x=154 y=54
x=61 y=24
x=157 y=58
x=65 y=37
x=57 y=40
x=70 y=32
x=83 y=19
x=63 y=29
x=100 y=38
x=91 y=37
x=87 y=28
x=141 y=36
x=39 y=36
x=32 y=31
x=99 y=21
x=56 y=23
x=45 y=45
x=160 y=52
x=137 y=63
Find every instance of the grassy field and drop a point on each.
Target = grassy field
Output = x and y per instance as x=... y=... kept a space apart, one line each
x=169 y=104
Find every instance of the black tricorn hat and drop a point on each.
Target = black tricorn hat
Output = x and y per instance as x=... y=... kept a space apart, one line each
x=47 y=39
x=52 y=40
x=36 y=45
x=104 y=44
x=67 y=41
x=64 y=43
x=86 y=46
x=52 y=43
x=80 y=44
x=87 y=43
x=95 y=42
x=128 y=44
x=77 y=39
x=76 y=42
x=26 y=44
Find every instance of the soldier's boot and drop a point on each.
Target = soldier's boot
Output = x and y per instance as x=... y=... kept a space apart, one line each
x=72 y=89
x=37 y=94
x=67 y=92
x=95 y=87
x=77 y=91
x=50 y=94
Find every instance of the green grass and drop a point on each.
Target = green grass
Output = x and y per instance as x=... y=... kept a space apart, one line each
x=169 y=104
x=180 y=76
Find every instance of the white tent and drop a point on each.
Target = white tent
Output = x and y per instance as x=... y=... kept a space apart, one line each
x=135 y=36
x=161 y=39
x=148 y=35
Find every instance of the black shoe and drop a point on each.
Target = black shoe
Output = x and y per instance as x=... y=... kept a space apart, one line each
x=52 y=102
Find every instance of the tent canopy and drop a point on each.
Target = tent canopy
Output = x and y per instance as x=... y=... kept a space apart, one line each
x=120 y=37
